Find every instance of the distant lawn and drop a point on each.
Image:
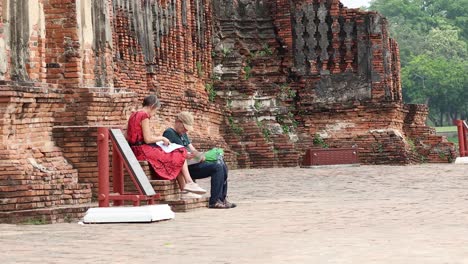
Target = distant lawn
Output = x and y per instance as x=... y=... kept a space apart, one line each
x=446 y=129
x=451 y=133
x=454 y=140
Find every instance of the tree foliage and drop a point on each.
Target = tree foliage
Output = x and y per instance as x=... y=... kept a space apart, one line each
x=433 y=40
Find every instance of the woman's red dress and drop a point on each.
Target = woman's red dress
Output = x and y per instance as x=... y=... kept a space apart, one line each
x=166 y=165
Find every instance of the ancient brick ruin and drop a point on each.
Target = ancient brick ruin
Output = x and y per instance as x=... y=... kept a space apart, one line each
x=294 y=69
x=266 y=80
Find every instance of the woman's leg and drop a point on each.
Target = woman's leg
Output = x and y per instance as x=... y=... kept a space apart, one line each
x=181 y=181
x=188 y=184
x=184 y=176
x=186 y=173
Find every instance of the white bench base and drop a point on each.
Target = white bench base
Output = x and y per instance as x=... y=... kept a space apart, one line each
x=123 y=214
x=461 y=160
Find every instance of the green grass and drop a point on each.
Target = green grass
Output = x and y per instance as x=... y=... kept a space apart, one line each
x=453 y=139
x=446 y=129
x=35 y=221
x=451 y=136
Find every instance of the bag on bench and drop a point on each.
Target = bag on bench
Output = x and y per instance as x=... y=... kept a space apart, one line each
x=214 y=154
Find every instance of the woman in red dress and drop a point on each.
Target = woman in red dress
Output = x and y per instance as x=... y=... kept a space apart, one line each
x=168 y=166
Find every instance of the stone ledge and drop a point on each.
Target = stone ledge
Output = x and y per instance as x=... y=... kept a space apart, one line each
x=62 y=214
x=170 y=193
x=186 y=205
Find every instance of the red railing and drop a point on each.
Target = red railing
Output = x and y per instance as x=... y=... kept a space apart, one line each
x=462 y=134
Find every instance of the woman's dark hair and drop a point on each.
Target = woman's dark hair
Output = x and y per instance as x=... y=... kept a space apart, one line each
x=152 y=101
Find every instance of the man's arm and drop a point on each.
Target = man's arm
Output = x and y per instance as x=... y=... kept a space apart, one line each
x=195 y=152
x=192 y=148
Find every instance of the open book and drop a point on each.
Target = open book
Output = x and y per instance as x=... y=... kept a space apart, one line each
x=171 y=147
x=198 y=157
x=168 y=148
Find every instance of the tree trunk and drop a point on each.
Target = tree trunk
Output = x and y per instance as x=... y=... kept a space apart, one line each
x=433 y=120
x=453 y=117
x=441 y=120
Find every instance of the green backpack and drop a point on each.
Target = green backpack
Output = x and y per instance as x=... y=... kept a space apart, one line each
x=214 y=154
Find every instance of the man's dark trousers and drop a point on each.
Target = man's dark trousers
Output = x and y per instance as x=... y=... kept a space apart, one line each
x=218 y=172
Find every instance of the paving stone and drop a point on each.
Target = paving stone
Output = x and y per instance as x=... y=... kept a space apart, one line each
x=366 y=214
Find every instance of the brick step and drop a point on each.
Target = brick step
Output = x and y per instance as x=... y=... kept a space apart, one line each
x=186 y=205
x=61 y=214
x=169 y=192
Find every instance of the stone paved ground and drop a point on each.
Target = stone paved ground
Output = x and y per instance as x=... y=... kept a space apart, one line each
x=366 y=214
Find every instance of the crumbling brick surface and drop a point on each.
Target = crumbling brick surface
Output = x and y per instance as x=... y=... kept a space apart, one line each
x=33 y=172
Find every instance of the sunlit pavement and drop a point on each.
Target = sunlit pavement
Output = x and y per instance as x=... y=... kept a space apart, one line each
x=366 y=214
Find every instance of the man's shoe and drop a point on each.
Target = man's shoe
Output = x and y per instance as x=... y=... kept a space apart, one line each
x=185 y=195
x=193 y=187
x=229 y=204
x=219 y=205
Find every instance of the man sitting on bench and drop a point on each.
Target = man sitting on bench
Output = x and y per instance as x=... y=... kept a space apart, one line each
x=217 y=170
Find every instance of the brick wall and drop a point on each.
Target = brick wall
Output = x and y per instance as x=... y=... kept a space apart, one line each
x=34 y=172
x=75 y=131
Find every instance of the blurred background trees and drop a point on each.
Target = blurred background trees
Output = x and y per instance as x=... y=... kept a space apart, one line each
x=433 y=40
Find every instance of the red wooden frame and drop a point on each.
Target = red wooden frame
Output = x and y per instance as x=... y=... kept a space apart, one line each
x=462 y=128
x=119 y=195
